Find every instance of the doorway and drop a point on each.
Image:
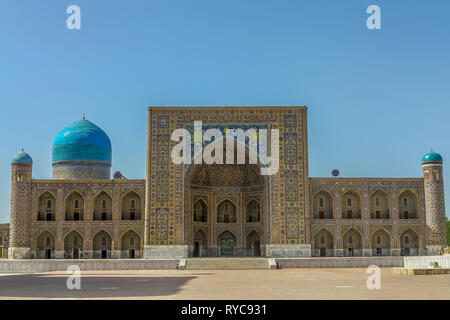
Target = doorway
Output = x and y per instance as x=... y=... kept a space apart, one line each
x=104 y=254
x=227 y=247
x=256 y=248
x=323 y=252
x=196 y=249
x=131 y=254
x=349 y=214
x=75 y=254
x=227 y=243
x=253 y=244
x=48 y=254
x=200 y=243
x=351 y=252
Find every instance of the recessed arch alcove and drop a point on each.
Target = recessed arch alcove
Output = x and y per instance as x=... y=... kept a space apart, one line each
x=226 y=198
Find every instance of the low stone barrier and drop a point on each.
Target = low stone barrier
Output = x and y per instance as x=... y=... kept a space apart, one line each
x=426 y=261
x=340 y=262
x=420 y=272
x=36 y=265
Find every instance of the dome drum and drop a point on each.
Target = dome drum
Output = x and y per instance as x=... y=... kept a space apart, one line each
x=66 y=170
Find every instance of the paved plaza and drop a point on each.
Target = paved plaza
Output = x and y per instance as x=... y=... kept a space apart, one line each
x=225 y=284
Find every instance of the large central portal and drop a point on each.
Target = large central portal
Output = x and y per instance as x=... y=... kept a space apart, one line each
x=225 y=210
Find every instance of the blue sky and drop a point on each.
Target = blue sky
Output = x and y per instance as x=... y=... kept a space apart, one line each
x=378 y=99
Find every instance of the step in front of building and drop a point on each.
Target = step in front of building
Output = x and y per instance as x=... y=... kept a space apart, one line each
x=229 y=263
x=420 y=271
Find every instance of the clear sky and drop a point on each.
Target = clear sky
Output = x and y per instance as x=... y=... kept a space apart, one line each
x=378 y=99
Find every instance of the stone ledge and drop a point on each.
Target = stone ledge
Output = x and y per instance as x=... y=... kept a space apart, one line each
x=18 y=253
x=288 y=250
x=340 y=262
x=166 y=251
x=40 y=265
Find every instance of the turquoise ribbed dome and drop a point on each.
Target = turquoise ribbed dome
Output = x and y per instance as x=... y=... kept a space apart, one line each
x=22 y=157
x=82 y=141
x=432 y=157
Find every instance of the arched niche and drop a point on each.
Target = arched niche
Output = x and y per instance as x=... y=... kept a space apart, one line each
x=380 y=242
x=102 y=207
x=74 y=207
x=351 y=205
x=323 y=244
x=73 y=245
x=408 y=205
x=131 y=206
x=322 y=205
x=352 y=243
x=46 y=207
x=102 y=244
x=379 y=205
x=130 y=245
x=45 y=245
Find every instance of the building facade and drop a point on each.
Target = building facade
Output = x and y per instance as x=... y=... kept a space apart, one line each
x=199 y=209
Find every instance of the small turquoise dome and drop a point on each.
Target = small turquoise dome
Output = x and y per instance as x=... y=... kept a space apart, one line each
x=82 y=141
x=432 y=157
x=22 y=157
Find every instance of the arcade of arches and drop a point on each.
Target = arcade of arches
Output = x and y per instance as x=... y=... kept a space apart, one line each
x=228 y=217
x=130 y=246
x=380 y=243
x=348 y=207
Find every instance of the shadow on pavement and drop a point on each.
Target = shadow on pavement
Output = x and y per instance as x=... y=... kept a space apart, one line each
x=44 y=286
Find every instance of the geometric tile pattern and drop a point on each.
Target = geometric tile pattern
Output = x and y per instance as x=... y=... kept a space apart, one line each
x=290 y=148
x=162 y=220
x=163 y=149
x=292 y=223
x=162 y=190
x=290 y=121
x=291 y=184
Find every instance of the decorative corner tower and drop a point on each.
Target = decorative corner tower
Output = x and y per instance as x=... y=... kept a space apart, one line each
x=434 y=203
x=20 y=232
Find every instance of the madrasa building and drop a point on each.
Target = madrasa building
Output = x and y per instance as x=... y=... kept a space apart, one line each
x=208 y=210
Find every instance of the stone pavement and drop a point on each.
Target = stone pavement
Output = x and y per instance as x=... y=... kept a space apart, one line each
x=225 y=284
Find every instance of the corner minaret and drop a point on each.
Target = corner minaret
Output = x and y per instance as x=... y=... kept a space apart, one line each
x=434 y=203
x=21 y=175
